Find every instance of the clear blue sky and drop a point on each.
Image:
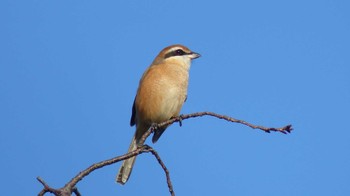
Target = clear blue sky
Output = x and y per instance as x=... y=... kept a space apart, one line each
x=69 y=71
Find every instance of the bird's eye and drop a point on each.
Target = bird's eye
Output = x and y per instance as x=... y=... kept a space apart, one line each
x=173 y=53
x=179 y=52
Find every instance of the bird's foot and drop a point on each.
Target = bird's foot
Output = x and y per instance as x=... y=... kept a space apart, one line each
x=180 y=119
x=155 y=127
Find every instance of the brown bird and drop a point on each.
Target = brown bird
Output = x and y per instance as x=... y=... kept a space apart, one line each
x=161 y=93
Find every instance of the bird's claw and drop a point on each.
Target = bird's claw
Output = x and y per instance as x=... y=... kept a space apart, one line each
x=155 y=126
x=180 y=120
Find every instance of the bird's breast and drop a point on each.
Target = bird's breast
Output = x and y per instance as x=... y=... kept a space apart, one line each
x=161 y=94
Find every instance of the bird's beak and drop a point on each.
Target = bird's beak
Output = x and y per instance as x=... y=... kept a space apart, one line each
x=194 y=55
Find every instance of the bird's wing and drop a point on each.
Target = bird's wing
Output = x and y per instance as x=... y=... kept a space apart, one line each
x=133 y=115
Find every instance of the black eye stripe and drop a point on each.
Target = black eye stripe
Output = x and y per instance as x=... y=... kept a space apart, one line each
x=177 y=52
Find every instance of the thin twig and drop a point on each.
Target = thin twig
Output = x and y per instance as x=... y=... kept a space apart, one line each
x=167 y=173
x=75 y=191
x=46 y=188
x=284 y=130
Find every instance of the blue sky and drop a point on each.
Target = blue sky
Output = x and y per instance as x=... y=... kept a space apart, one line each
x=69 y=71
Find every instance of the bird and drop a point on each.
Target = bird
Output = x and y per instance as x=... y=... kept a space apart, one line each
x=160 y=95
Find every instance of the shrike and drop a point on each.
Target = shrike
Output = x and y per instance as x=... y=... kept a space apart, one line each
x=161 y=93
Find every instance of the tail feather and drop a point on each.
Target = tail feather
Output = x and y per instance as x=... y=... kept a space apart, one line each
x=126 y=168
x=157 y=133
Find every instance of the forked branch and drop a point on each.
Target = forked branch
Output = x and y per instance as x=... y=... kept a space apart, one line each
x=70 y=187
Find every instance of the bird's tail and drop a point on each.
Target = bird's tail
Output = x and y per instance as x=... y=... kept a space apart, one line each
x=126 y=168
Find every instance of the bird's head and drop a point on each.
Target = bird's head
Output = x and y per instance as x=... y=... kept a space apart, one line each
x=176 y=53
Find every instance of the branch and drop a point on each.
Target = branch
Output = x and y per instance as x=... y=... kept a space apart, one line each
x=286 y=129
x=70 y=188
x=167 y=174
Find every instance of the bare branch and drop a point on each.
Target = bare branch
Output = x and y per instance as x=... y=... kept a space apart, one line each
x=168 y=180
x=70 y=187
x=284 y=130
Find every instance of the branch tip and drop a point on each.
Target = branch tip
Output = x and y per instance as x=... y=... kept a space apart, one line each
x=41 y=181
